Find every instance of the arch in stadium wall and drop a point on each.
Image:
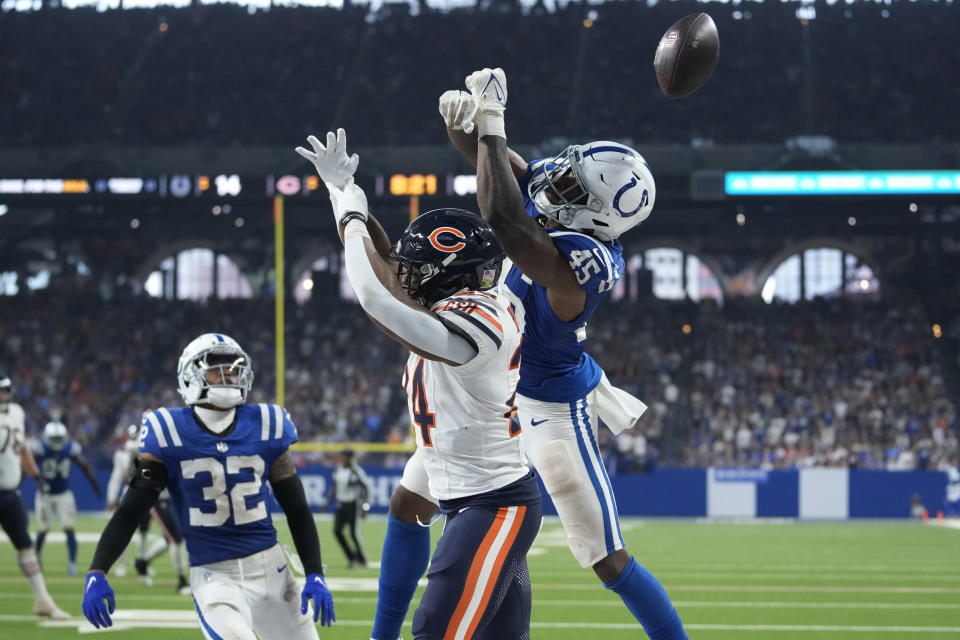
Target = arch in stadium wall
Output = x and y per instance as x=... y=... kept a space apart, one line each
x=319 y=269
x=704 y=276
x=862 y=271
x=233 y=276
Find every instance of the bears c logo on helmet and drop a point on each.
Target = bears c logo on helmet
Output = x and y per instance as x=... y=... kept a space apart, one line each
x=448 y=248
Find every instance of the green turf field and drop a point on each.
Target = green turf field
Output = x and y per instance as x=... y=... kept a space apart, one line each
x=781 y=581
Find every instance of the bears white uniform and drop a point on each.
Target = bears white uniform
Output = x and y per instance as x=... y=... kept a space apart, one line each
x=464 y=454
x=11 y=443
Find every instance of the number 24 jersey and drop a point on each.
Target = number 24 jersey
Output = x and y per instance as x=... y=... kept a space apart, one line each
x=463 y=414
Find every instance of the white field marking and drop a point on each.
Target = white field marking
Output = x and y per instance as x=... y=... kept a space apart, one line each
x=88 y=628
x=751 y=627
x=60 y=536
x=850 y=576
x=547 y=586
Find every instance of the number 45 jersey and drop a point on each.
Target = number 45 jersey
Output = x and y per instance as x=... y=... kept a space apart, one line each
x=555 y=367
x=217 y=482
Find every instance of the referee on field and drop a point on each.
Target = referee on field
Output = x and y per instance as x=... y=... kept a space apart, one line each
x=351 y=488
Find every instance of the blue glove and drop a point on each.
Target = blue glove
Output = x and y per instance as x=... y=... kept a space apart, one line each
x=95 y=592
x=315 y=588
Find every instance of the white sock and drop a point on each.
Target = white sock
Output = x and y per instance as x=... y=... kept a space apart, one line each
x=158 y=546
x=142 y=545
x=27 y=559
x=178 y=556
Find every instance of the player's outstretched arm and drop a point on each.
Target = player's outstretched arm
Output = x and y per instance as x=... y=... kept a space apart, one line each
x=288 y=490
x=88 y=472
x=372 y=275
x=146 y=485
x=458 y=108
x=501 y=202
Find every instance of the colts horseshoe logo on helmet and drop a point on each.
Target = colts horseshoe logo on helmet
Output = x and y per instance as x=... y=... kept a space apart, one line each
x=448 y=248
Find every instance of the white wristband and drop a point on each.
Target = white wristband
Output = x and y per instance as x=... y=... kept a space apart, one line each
x=490 y=123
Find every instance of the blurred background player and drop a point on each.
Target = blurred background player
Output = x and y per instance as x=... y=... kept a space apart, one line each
x=351 y=488
x=15 y=459
x=951 y=502
x=214 y=455
x=436 y=293
x=54 y=453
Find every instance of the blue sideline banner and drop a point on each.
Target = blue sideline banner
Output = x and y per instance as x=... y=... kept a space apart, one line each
x=807 y=493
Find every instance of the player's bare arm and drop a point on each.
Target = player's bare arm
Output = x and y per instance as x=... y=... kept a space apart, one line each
x=288 y=490
x=282 y=468
x=88 y=472
x=373 y=275
x=28 y=464
x=501 y=203
x=466 y=144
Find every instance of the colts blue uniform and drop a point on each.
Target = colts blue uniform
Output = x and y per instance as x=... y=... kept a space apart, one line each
x=555 y=396
x=55 y=465
x=217 y=483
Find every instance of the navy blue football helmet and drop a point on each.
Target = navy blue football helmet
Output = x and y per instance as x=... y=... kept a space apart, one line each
x=444 y=251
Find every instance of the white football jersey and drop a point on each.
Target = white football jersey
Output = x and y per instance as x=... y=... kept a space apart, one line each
x=463 y=414
x=11 y=443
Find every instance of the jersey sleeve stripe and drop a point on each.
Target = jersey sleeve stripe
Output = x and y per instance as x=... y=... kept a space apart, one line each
x=480 y=325
x=484 y=305
x=513 y=316
x=157 y=429
x=455 y=329
x=264 y=422
x=491 y=319
x=278 y=421
x=171 y=426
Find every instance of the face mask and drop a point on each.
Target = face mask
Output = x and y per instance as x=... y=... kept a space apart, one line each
x=224 y=397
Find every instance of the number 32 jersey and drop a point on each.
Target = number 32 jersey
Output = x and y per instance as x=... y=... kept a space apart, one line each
x=217 y=483
x=463 y=414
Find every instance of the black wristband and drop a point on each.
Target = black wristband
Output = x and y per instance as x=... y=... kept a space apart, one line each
x=352 y=215
x=289 y=494
x=116 y=535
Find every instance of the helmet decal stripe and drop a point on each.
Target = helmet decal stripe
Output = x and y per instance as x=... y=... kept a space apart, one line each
x=625 y=150
x=219 y=337
x=448 y=248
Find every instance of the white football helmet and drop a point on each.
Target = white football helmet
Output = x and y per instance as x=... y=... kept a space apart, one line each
x=214 y=370
x=601 y=188
x=55 y=435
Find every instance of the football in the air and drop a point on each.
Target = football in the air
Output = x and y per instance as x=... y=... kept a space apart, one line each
x=687 y=55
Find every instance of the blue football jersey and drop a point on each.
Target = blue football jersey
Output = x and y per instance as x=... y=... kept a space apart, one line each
x=554 y=366
x=217 y=483
x=55 y=465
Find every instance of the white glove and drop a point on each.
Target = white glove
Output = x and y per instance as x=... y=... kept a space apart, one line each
x=458 y=109
x=331 y=161
x=489 y=89
x=349 y=202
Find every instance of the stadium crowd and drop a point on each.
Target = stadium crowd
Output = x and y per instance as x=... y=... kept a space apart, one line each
x=191 y=77
x=748 y=384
